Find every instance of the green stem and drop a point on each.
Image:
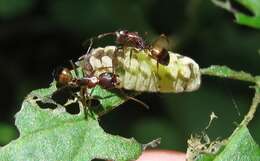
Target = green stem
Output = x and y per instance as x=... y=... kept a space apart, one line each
x=226 y=72
x=250 y=115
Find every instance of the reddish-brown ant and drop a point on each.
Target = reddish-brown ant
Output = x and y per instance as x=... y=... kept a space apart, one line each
x=65 y=80
x=158 y=49
x=106 y=80
x=126 y=38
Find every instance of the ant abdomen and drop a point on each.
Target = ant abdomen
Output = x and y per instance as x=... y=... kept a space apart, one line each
x=108 y=80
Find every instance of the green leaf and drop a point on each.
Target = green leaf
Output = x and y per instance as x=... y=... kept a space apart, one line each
x=241 y=18
x=257 y=80
x=12 y=8
x=240 y=147
x=54 y=134
x=226 y=72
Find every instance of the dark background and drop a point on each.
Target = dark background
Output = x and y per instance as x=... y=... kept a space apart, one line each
x=36 y=36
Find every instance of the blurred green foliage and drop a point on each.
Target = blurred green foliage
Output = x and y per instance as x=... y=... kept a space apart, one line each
x=7 y=132
x=251 y=19
x=11 y=8
x=37 y=36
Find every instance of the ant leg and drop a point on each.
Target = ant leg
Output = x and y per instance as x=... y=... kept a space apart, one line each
x=83 y=100
x=131 y=54
x=114 y=60
x=90 y=97
x=91 y=42
x=134 y=99
x=74 y=68
x=105 y=34
x=157 y=66
x=156 y=75
x=88 y=101
x=84 y=44
x=90 y=45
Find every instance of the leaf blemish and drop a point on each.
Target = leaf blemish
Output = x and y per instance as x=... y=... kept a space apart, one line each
x=46 y=105
x=73 y=108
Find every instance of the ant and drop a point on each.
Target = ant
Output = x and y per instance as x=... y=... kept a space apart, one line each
x=126 y=38
x=65 y=79
x=67 y=83
x=158 y=49
x=106 y=80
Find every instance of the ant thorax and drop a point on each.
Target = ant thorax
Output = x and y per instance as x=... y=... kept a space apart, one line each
x=137 y=71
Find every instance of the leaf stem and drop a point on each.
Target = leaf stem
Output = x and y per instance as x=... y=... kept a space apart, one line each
x=250 y=115
x=226 y=72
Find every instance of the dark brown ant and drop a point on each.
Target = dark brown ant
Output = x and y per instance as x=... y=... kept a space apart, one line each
x=158 y=49
x=67 y=83
x=106 y=80
x=126 y=38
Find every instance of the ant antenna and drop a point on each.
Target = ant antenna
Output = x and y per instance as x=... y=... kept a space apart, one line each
x=86 y=42
x=90 y=45
x=134 y=99
x=105 y=34
x=91 y=40
x=138 y=101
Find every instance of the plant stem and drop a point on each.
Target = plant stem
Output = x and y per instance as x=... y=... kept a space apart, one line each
x=226 y=72
x=250 y=115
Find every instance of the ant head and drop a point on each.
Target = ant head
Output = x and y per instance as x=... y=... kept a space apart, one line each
x=164 y=57
x=63 y=76
x=159 y=50
x=108 y=80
